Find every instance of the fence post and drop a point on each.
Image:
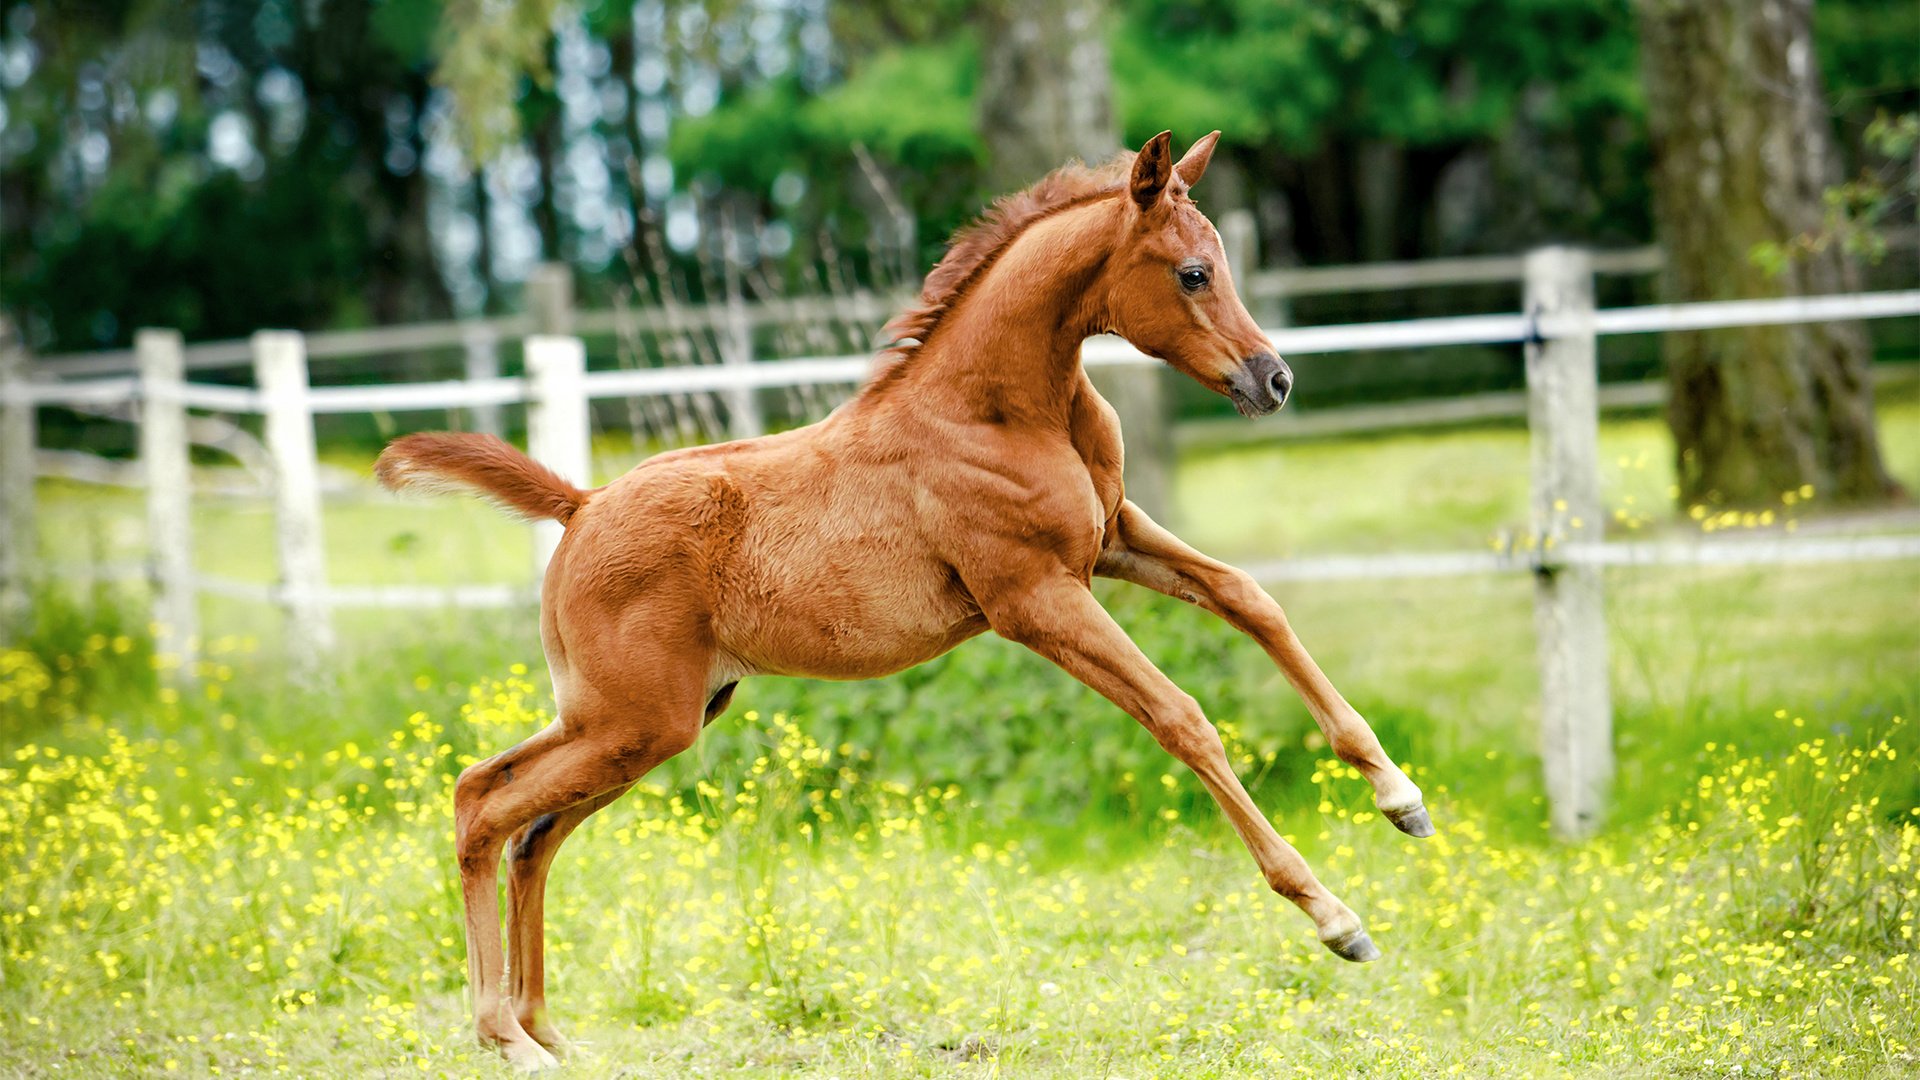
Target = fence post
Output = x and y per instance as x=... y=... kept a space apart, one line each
x=557 y=424
x=736 y=352
x=483 y=363
x=19 y=442
x=164 y=460
x=280 y=370
x=1239 y=236
x=550 y=298
x=1563 y=423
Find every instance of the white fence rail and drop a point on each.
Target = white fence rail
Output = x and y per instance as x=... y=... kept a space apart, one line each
x=1564 y=549
x=1273 y=284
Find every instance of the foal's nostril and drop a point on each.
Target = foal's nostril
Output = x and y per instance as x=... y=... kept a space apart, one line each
x=1281 y=383
x=1260 y=384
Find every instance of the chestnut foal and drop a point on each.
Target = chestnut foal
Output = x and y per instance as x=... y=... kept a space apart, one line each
x=972 y=485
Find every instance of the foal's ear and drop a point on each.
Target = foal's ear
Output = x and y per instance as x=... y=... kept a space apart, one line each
x=1152 y=169
x=1194 y=165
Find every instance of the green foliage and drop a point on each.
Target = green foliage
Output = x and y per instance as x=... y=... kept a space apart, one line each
x=213 y=257
x=82 y=652
x=910 y=108
x=1857 y=210
x=1866 y=54
x=488 y=47
x=1285 y=81
x=118 y=212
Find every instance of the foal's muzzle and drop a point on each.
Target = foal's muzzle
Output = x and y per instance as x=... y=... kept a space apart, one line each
x=1260 y=384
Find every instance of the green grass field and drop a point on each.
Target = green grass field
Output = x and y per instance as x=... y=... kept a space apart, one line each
x=977 y=867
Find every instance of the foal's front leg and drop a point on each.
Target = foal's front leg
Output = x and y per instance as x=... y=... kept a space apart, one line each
x=1059 y=619
x=1140 y=551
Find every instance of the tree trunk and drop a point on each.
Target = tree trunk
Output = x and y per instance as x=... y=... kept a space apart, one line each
x=1742 y=155
x=626 y=167
x=483 y=251
x=542 y=106
x=1416 y=227
x=1045 y=93
x=1046 y=96
x=406 y=280
x=1322 y=192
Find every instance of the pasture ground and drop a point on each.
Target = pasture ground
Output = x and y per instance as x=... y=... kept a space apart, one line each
x=977 y=868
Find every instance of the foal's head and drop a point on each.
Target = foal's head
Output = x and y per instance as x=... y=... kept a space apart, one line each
x=1170 y=291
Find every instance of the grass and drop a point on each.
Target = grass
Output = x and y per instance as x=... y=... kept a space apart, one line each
x=790 y=916
x=1444 y=491
x=978 y=867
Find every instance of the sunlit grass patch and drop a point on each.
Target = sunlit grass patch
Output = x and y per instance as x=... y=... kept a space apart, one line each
x=789 y=913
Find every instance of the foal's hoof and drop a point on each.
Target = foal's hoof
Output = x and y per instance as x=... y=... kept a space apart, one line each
x=521 y=1052
x=1354 y=945
x=1413 y=822
x=555 y=1043
x=527 y=1056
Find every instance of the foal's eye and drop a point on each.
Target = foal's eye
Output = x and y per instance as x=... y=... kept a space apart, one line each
x=1192 y=278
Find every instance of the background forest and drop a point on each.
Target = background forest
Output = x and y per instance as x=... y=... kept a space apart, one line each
x=221 y=166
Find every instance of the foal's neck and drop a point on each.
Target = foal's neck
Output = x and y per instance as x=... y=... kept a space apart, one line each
x=1009 y=351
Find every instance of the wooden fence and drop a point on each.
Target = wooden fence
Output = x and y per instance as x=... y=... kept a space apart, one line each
x=1563 y=550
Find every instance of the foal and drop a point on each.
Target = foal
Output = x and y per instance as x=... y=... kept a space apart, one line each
x=972 y=485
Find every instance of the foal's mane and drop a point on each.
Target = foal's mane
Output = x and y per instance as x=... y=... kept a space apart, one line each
x=974 y=248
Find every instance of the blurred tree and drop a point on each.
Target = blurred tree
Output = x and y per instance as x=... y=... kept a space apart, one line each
x=1743 y=152
x=1874 y=85
x=1045 y=88
x=364 y=68
x=216 y=167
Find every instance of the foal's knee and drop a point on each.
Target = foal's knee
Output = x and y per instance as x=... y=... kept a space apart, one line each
x=471 y=783
x=476 y=848
x=477 y=851
x=469 y=787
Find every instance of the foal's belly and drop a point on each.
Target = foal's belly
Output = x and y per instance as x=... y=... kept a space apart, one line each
x=840 y=608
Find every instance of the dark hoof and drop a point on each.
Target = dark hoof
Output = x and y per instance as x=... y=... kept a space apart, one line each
x=1414 y=822
x=1357 y=947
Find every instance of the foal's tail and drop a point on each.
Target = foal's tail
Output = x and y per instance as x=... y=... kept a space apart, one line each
x=478 y=465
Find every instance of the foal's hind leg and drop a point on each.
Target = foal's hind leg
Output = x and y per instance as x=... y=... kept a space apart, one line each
x=529 y=858
x=593 y=749
x=530 y=855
